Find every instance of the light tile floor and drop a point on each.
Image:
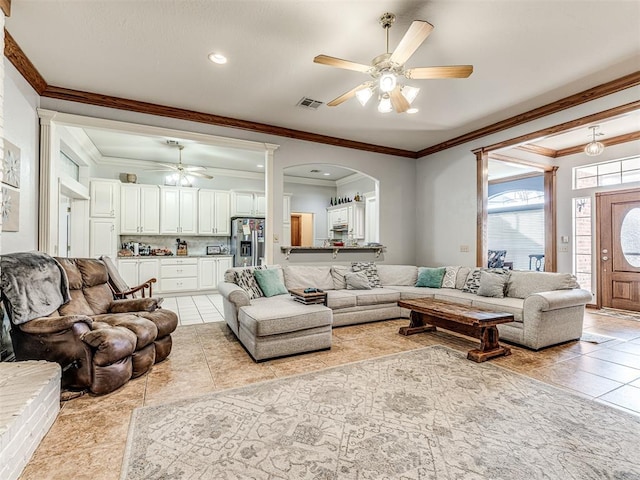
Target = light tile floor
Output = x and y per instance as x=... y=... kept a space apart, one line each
x=87 y=440
x=196 y=309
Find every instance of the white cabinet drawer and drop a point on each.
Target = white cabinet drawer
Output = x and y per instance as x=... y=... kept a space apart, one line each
x=179 y=261
x=179 y=271
x=179 y=284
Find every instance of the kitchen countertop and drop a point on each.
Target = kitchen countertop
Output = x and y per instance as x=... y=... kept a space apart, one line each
x=174 y=256
x=378 y=249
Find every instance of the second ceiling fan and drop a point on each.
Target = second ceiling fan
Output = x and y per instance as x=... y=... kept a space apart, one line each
x=386 y=68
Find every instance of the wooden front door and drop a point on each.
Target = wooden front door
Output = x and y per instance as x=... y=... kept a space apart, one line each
x=618 y=222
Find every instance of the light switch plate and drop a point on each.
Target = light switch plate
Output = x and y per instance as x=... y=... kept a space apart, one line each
x=276 y=238
x=464 y=248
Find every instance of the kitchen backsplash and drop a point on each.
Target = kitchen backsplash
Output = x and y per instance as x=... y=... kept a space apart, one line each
x=196 y=245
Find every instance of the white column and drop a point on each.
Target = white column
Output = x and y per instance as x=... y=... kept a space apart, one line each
x=48 y=198
x=269 y=196
x=1 y=115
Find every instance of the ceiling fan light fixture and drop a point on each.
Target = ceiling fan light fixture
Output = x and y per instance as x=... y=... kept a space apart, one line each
x=594 y=148
x=385 y=104
x=363 y=95
x=387 y=82
x=410 y=93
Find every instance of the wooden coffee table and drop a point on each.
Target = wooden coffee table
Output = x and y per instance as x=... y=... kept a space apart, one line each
x=428 y=313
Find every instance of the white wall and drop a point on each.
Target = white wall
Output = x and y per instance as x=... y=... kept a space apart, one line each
x=397 y=205
x=21 y=128
x=446 y=189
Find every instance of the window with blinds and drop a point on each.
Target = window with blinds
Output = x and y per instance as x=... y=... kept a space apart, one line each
x=520 y=232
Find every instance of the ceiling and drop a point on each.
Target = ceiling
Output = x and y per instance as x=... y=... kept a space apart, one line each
x=526 y=53
x=116 y=146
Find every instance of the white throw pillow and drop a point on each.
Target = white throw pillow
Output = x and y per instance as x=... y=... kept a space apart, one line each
x=450 y=274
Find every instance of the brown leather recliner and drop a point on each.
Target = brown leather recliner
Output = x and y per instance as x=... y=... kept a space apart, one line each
x=100 y=342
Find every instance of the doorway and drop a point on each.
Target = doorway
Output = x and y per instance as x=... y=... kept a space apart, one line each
x=618 y=234
x=302 y=230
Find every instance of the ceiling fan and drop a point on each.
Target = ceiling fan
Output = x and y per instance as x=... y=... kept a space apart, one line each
x=182 y=171
x=385 y=69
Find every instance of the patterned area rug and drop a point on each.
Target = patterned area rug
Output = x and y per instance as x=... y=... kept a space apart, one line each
x=424 y=414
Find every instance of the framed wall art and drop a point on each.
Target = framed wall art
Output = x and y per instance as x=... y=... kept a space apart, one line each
x=10 y=209
x=11 y=165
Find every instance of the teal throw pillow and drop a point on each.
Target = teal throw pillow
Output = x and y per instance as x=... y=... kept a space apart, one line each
x=270 y=282
x=430 y=277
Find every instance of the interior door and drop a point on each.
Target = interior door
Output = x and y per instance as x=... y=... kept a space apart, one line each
x=296 y=234
x=618 y=222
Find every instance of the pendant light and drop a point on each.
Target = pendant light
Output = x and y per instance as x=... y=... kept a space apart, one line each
x=594 y=148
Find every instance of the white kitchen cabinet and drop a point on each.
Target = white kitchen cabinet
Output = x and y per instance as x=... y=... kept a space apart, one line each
x=178 y=274
x=351 y=215
x=248 y=204
x=214 y=212
x=178 y=210
x=211 y=271
x=140 y=209
x=102 y=237
x=356 y=218
x=104 y=198
x=135 y=271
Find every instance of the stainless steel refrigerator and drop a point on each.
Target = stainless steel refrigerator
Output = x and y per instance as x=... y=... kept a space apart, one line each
x=247 y=241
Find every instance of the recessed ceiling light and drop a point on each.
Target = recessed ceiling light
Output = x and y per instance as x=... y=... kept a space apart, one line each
x=413 y=110
x=260 y=166
x=326 y=173
x=218 y=58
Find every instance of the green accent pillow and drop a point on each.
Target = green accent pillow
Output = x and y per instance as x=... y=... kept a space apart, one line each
x=270 y=282
x=430 y=277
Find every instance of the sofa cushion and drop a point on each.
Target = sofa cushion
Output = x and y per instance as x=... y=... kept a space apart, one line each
x=375 y=296
x=370 y=269
x=270 y=282
x=523 y=283
x=461 y=277
x=305 y=276
x=430 y=277
x=282 y=314
x=357 y=281
x=455 y=296
x=472 y=283
x=409 y=293
x=397 y=275
x=492 y=284
x=337 y=273
x=245 y=279
x=449 y=279
x=340 y=299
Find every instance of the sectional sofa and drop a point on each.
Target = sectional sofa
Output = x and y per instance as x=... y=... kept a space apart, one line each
x=548 y=307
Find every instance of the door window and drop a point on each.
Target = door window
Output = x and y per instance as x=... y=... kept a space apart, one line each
x=630 y=237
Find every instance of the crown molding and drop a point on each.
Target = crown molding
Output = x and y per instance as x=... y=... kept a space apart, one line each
x=19 y=60
x=310 y=181
x=354 y=177
x=607 y=142
x=598 y=91
x=17 y=57
x=539 y=150
x=5 y=5
x=571 y=124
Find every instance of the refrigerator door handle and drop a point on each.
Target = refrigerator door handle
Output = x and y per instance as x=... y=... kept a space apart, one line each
x=254 y=250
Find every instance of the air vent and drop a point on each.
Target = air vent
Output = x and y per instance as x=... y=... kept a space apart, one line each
x=306 y=102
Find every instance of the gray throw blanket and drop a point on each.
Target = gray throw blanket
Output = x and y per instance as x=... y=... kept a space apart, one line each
x=33 y=285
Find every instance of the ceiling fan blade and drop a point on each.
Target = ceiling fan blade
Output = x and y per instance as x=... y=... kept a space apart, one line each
x=417 y=33
x=193 y=168
x=345 y=96
x=453 y=71
x=199 y=174
x=400 y=104
x=169 y=165
x=339 y=63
